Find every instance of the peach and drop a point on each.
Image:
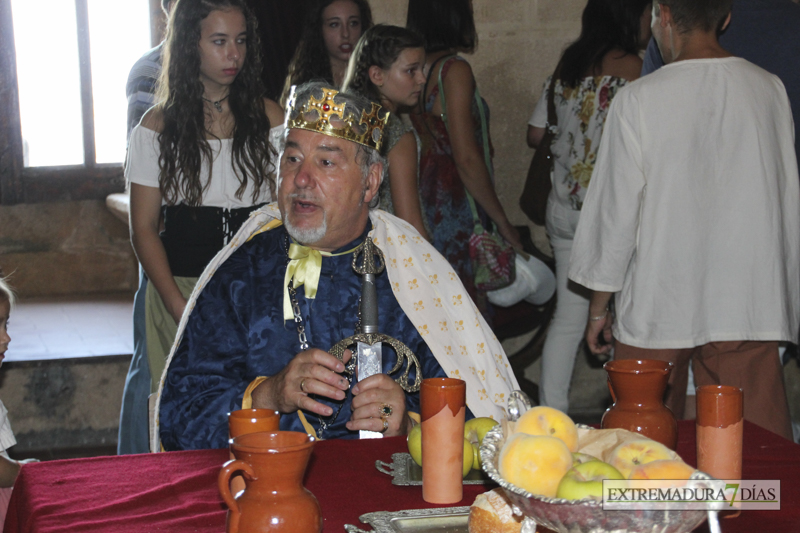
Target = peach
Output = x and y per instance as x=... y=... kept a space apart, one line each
x=629 y=455
x=546 y=421
x=664 y=469
x=535 y=463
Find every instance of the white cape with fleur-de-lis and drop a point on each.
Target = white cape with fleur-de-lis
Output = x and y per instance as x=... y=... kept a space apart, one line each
x=430 y=293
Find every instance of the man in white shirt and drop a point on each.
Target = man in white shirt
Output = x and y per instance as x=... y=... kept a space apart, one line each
x=692 y=218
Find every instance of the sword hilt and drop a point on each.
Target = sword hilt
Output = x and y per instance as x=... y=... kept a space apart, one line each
x=369 y=293
x=367 y=251
x=369 y=304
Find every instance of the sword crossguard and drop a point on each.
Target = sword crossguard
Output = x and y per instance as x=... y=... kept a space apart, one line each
x=404 y=355
x=367 y=250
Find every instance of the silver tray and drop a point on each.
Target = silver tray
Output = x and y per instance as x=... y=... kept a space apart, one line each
x=405 y=471
x=447 y=520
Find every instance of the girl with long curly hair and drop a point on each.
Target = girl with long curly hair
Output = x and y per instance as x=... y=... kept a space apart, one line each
x=386 y=67
x=330 y=34
x=200 y=160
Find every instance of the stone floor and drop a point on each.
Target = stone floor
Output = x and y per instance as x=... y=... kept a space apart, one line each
x=64 y=374
x=57 y=328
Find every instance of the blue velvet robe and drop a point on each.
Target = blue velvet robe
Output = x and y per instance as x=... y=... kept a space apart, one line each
x=236 y=333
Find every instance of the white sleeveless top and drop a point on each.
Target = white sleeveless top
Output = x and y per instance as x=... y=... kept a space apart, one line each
x=141 y=167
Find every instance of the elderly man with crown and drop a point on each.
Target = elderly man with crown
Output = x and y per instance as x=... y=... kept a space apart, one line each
x=268 y=320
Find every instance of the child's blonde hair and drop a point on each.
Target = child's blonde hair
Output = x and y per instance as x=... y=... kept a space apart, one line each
x=6 y=293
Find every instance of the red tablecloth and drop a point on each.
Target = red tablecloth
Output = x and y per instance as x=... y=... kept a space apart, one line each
x=177 y=491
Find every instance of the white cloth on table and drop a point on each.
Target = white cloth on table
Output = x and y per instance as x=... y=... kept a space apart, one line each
x=693 y=212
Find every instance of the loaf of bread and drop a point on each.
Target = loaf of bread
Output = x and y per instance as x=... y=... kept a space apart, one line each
x=491 y=513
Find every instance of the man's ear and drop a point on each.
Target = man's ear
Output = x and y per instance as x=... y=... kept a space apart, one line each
x=726 y=23
x=665 y=16
x=376 y=75
x=373 y=182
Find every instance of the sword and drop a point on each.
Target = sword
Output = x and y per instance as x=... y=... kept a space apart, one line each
x=369 y=357
x=368 y=341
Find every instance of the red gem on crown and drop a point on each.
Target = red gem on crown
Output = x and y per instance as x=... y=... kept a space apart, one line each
x=326 y=107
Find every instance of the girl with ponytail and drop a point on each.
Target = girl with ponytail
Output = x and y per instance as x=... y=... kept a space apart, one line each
x=386 y=67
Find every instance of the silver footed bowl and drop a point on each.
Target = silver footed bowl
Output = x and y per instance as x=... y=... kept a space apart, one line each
x=579 y=516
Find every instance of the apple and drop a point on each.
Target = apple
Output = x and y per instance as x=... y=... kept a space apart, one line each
x=578 y=458
x=474 y=431
x=468 y=458
x=585 y=480
x=414 y=442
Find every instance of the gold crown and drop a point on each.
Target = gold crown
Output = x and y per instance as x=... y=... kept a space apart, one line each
x=326 y=108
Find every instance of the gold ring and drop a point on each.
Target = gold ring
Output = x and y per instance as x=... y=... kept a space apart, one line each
x=303 y=382
x=385 y=426
x=385 y=410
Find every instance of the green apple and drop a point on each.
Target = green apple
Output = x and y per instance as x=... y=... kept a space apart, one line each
x=414 y=442
x=474 y=431
x=585 y=480
x=578 y=458
x=468 y=457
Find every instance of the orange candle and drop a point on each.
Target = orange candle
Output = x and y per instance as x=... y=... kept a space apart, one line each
x=443 y=406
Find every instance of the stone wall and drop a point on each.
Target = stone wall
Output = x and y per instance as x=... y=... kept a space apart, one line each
x=64 y=404
x=519 y=43
x=65 y=248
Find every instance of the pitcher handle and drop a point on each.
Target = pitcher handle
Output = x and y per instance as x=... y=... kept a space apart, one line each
x=611 y=390
x=224 y=484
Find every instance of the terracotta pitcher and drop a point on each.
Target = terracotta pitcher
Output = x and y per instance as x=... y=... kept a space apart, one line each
x=274 y=498
x=249 y=421
x=637 y=389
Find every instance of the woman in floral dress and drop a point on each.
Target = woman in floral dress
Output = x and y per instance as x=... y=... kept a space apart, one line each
x=452 y=153
x=591 y=72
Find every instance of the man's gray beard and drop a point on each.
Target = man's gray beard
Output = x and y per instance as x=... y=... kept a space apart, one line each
x=306 y=236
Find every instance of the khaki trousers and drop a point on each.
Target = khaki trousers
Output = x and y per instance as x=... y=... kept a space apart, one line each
x=161 y=328
x=753 y=366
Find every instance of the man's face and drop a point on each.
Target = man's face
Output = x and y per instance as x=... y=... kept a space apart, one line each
x=322 y=195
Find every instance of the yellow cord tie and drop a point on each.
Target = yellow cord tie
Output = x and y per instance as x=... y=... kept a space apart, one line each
x=303 y=269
